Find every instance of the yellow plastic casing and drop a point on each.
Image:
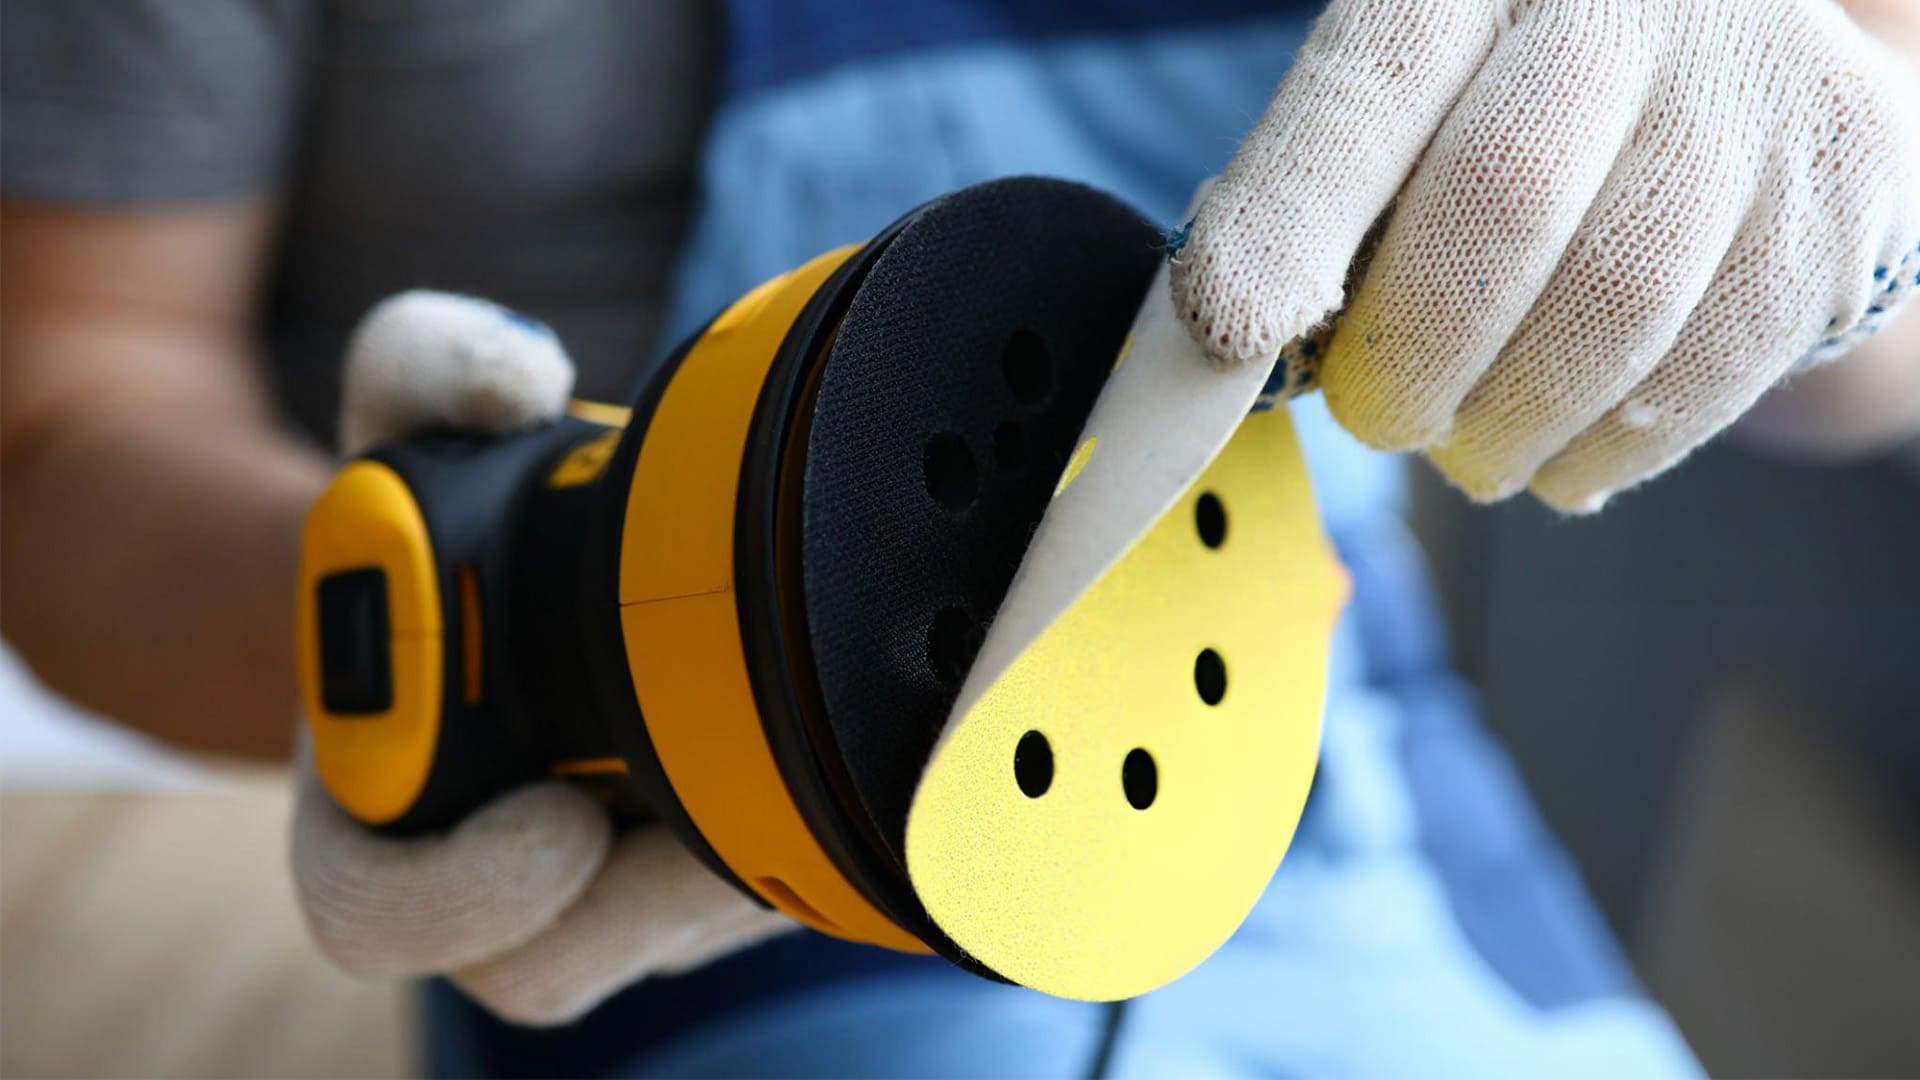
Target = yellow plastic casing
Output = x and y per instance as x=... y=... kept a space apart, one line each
x=1075 y=891
x=681 y=620
x=376 y=764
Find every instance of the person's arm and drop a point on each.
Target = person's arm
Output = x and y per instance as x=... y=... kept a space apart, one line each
x=1871 y=398
x=1864 y=403
x=149 y=504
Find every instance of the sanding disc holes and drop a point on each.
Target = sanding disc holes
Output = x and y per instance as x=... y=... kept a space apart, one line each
x=1139 y=778
x=1033 y=764
x=1210 y=519
x=1210 y=676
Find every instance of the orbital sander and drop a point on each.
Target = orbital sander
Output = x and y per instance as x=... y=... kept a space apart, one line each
x=748 y=604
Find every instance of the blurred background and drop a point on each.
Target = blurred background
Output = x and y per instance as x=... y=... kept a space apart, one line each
x=147 y=920
x=1713 y=691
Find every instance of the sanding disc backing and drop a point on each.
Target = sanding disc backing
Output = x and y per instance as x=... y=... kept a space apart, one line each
x=958 y=380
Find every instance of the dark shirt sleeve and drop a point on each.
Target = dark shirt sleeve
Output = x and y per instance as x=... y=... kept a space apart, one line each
x=149 y=101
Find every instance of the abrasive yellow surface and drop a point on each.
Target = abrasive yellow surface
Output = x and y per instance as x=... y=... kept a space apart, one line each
x=1076 y=891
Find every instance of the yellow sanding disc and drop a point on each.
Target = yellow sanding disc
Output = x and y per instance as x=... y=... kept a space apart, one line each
x=1109 y=810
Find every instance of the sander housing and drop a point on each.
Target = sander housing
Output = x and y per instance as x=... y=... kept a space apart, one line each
x=742 y=604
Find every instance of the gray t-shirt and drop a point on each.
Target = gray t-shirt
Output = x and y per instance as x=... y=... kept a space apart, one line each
x=537 y=152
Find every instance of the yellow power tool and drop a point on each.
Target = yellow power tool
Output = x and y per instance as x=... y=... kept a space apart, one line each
x=743 y=606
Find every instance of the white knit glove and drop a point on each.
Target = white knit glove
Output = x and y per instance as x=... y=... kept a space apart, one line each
x=533 y=904
x=1614 y=224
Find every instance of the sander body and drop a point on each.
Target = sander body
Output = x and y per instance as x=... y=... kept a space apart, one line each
x=742 y=605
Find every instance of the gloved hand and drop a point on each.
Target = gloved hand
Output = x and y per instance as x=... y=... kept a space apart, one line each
x=1611 y=225
x=532 y=903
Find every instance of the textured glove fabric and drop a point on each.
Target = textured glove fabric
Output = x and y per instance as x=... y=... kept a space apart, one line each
x=532 y=903
x=425 y=359
x=384 y=908
x=652 y=909
x=1606 y=226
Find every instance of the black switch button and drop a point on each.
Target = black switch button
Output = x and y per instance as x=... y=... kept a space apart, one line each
x=356 y=667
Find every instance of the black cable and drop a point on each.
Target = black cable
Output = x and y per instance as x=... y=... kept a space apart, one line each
x=1109 y=1036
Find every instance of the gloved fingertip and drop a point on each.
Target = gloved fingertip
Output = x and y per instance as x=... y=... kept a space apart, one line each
x=1573 y=503
x=542 y=1005
x=1471 y=480
x=1483 y=490
x=425 y=357
x=514 y=380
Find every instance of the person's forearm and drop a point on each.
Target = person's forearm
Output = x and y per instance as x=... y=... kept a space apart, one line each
x=162 y=596
x=149 y=503
x=1895 y=22
x=1866 y=402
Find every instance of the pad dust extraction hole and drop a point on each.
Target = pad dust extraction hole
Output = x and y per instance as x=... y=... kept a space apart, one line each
x=951 y=476
x=1028 y=370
